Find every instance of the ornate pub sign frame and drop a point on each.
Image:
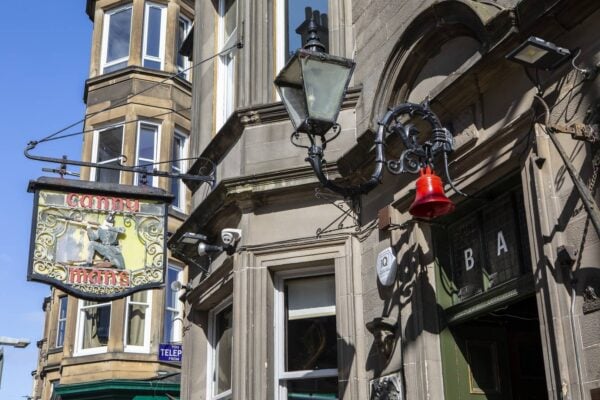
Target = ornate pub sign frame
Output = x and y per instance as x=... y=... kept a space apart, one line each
x=97 y=241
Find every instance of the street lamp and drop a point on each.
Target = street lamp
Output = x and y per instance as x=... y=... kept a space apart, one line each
x=19 y=343
x=312 y=87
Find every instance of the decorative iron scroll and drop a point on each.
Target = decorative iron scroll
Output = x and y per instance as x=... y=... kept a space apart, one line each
x=98 y=245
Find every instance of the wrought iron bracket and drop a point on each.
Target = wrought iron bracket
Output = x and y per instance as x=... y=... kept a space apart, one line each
x=350 y=210
x=414 y=156
x=64 y=161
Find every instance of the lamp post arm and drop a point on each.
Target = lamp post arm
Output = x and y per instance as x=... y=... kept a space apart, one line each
x=315 y=158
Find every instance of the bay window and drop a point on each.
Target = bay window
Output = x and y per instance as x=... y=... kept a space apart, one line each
x=155 y=22
x=306 y=337
x=116 y=38
x=137 y=327
x=93 y=327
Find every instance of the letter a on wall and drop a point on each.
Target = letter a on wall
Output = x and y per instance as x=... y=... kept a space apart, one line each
x=97 y=241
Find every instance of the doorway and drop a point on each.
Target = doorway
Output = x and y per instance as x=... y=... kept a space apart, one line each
x=496 y=356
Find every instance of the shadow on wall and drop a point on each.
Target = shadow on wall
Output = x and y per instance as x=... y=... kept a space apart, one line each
x=412 y=287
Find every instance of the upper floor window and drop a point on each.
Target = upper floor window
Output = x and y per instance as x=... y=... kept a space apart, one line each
x=93 y=327
x=147 y=150
x=291 y=22
x=228 y=10
x=137 y=330
x=178 y=163
x=183 y=63
x=107 y=149
x=61 y=321
x=116 y=38
x=155 y=20
x=172 y=326
x=221 y=346
x=306 y=337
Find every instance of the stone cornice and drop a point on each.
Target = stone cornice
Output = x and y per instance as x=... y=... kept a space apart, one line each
x=130 y=73
x=234 y=127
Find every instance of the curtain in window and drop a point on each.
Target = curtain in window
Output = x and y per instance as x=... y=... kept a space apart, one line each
x=96 y=326
x=137 y=319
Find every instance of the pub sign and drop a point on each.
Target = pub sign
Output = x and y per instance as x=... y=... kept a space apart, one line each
x=97 y=241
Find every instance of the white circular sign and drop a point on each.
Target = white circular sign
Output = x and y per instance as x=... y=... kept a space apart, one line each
x=386 y=267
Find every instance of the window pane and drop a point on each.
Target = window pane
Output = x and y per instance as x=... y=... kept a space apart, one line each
x=135 y=329
x=119 y=31
x=311 y=344
x=182 y=31
x=108 y=175
x=295 y=17
x=96 y=325
x=153 y=32
x=326 y=388
x=310 y=297
x=168 y=325
x=230 y=17
x=172 y=276
x=223 y=340
x=176 y=164
x=62 y=320
x=62 y=310
x=311 y=336
x=109 y=144
x=146 y=145
x=115 y=67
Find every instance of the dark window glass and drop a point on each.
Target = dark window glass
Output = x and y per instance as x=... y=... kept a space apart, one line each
x=108 y=153
x=324 y=388
x=119 y=31
x=154 y=34
x=146 y=150
x=109 y=144
x=62 y=321
x=96 y=324
x=182 y=31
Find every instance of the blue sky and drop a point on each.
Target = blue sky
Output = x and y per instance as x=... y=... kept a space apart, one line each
x=44 y=61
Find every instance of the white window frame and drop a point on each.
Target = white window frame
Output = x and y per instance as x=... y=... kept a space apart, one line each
x=79 y=350
x=177 y=310
x=145 y=348
x=212 y=352
x=163 y=31
x=225 y=69
x=281 y=376
x=59 y=320
x=186 y=61
x=139 y=160
x=183 y=152
x=105 y=31
x=97 y=133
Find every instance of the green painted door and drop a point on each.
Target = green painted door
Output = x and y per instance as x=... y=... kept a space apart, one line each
x=476 y=362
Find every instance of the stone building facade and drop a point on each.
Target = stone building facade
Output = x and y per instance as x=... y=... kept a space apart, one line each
x=138 y=99
x=497 y=300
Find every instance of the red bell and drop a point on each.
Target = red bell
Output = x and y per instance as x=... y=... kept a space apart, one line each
x=430 y=200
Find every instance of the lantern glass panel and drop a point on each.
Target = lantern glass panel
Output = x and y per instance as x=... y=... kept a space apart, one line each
x=324 y=83
x=289 y=84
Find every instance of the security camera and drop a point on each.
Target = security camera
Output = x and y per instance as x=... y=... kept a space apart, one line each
x=230 y=236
